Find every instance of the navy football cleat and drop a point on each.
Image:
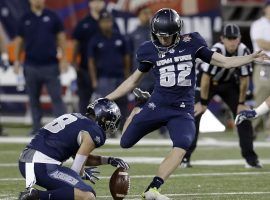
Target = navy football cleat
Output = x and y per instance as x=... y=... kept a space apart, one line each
x=29 y=194
x=141 y=97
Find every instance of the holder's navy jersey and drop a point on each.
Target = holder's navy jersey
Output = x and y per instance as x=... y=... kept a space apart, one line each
x=174 y=71
x=61 y=139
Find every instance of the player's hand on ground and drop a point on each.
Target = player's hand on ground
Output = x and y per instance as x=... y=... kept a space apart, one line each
x=260 y=56
x=117 y=162
x=90 y=173
x=245 y=114
x=199 y=109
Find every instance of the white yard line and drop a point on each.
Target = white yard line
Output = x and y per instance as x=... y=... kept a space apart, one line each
x=174 y=175
x=119 y=150
x=202 y=194
x=151 y=142
x=134 y=197
x=7 y=197
x=158 y=160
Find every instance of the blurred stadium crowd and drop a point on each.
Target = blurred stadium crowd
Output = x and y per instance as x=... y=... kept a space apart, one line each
x=71 y=52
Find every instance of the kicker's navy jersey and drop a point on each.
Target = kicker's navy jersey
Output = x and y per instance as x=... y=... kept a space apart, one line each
x=60 y=139
x=174 y=71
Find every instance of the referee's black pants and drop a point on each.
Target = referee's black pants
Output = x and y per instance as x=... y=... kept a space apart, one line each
x=229 y=92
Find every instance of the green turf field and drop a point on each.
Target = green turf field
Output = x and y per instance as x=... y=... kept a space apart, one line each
x=203 y=181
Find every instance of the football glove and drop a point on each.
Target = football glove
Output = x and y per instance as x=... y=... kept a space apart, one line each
x=141 y=97
x=89 y=173
x=117 y=162
x=245 y=114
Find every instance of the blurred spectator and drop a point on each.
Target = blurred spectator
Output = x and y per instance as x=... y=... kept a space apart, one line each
x=40 y=32
x=260 y=37
x=139 y=36
x=4 y=63
x=82 y=34
x=109 y=60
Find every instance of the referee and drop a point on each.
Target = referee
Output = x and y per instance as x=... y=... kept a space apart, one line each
x=231 y=85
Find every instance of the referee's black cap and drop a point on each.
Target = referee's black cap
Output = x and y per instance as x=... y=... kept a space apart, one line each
x=231 y=31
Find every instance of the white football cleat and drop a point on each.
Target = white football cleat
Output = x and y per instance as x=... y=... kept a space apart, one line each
x=153 y=194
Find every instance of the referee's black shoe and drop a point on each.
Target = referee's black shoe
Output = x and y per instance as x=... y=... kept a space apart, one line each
x=253 y=164
x=185 y=163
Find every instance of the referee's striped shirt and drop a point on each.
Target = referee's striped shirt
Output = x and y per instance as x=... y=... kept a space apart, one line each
x=220 y=74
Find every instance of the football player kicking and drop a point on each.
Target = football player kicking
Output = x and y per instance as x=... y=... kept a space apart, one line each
x=171 y=56
x=252 y=114
x=70 y=135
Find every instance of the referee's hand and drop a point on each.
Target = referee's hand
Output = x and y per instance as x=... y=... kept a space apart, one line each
x=199 y=109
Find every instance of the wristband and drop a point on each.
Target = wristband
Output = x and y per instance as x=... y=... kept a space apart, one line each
x=104 y=160
x=78 y=163
x=204 y=102
x=241 y=102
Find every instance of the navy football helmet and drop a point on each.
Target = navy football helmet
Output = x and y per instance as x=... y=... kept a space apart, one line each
x=107 y=114
x=166 y=22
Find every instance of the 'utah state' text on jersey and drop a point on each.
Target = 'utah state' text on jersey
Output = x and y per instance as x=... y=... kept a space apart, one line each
x=60 y=139
x=174 y=71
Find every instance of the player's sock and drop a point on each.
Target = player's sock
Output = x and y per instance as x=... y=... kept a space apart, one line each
x=157 y=182
x=68 y=192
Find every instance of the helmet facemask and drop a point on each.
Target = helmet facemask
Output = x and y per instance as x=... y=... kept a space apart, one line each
x=111 y=126
x=106 y=113
x=164 y=49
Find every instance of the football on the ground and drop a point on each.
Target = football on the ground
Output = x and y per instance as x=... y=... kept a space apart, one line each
x=119 y=184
